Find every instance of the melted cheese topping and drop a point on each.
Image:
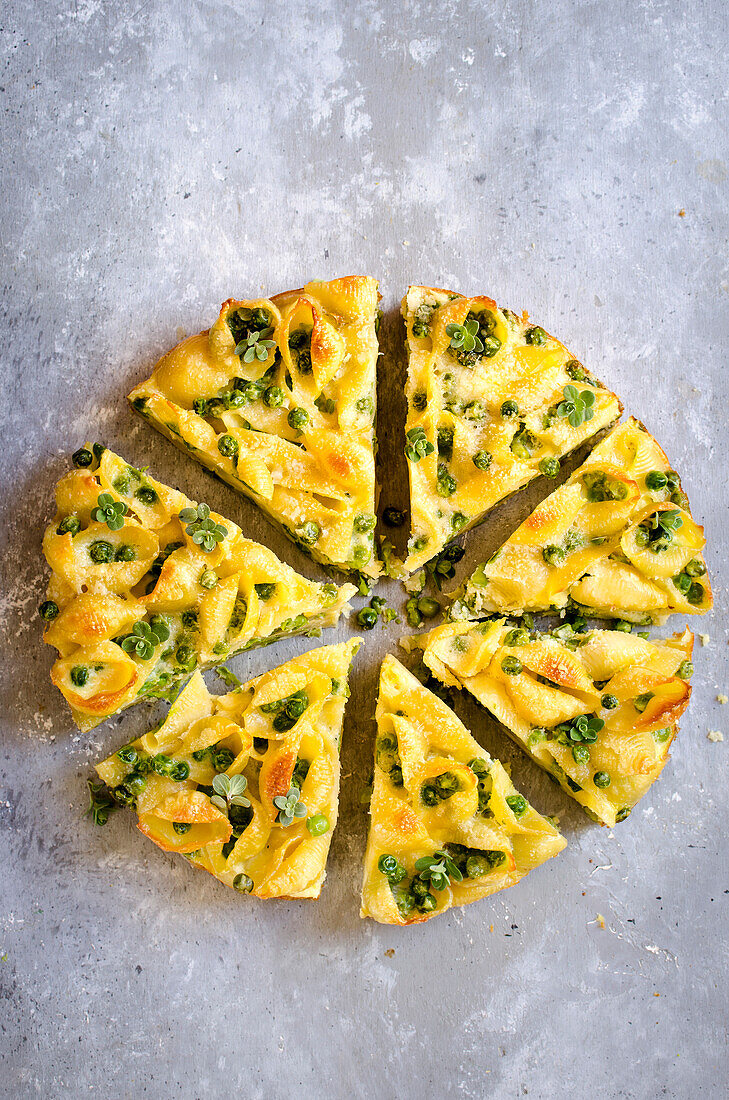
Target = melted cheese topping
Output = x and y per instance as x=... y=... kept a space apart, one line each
x=585 y=544
x=240 y=734
x=278 y=398
x=487 y=418
x=437 y=791
x=539 y=687
x=115 y=588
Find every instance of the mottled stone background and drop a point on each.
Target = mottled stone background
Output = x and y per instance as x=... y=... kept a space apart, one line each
x=157 y=157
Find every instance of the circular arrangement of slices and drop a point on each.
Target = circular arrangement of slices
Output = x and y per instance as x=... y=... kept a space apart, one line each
x=148 y=587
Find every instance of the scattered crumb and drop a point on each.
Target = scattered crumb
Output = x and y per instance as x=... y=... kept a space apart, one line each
x=656 y=994
x=715 y=735
x=601 y=920
x=416 y=583
x=391 y=951
x=682 y=213
x=705 y=639
x=180 y=333
x=491 y=928
x=584 y=893
x=721 y=698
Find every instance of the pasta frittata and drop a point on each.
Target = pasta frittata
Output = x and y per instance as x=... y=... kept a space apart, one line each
x=278 y=399
x=597 y=710
x=492 y=403
x=447 y=826
x=148 y=585
x=246 y=785
x=617 y=540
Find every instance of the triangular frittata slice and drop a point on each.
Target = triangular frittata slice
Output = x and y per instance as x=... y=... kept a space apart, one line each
x=597 y=710
x=617 y=540
x=148 y=585
x=492 y=403
x=447 y=825
x=278 y=399
x=246 y=785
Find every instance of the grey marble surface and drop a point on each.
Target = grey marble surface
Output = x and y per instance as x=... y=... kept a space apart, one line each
x=567 y=157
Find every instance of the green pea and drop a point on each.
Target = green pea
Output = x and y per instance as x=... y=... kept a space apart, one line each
x=162 y=764
x=79 y=675
x=298 y=419
x=655 y=481
x=273 y=397
x=695 y=568
x=512 y=666
x=364 y=522
x=510 y=408
x=476 y=866
x=536 y=335
x=184 y=655
x=601 y=780
x=181 y=827
x=136 y=782
x=479 y=767
x=685 y=670
x=228 y=446
x=98 y=449
x=695 y=593
x=581 y=754
x=623 y=626
x=82 y=458
x=622 y=814
x=71 y=525
x=123 y=794
x=553 y=555
x=49 y=611
x=309 y=532
x=549 y=467
x=662 y=736
x=517 y=804
x=575 y=370
x=128 y=754
x=208 y=578
x=367 y=618
x=516 y=637
x=446 y=784
x=243 y=883
x=481 y=460
x=101 y=552
x=318 y=824
x=222 y=759
x=428 y=903
x=458 y=521
x=179 y=771
x=147 y=495
x=609 y=702
x=536 y=735
x=391 y=868
x=265 y=591
x=420 y=401
x=125 y=553
x=428 y=607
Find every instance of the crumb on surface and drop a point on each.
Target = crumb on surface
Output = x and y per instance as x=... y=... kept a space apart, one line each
x=390 y=952
x=682 y=213
x=715 y=735
x=600 y=920
x=705 y=639
x=721 y=698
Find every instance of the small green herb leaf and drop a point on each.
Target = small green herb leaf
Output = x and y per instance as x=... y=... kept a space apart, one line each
x=110 y=511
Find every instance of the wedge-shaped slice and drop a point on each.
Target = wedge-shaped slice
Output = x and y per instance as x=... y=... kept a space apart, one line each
x=278 y=398
x=246 y=785
x=598 y=711
x=447 y=825
x=148 y=585
x=617 y=539
x=492 y=403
